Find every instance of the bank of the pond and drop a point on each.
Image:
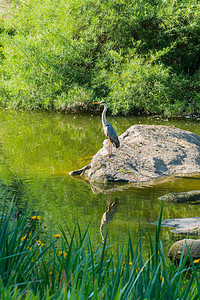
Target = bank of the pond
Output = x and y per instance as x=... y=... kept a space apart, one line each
x=140 y=57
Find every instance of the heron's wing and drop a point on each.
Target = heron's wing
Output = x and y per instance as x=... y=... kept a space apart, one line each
x=112 y=135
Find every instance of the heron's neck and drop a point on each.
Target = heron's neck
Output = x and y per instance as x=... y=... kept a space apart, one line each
x=104 y=121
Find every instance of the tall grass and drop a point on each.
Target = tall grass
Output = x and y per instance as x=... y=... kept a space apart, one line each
x=34 y=265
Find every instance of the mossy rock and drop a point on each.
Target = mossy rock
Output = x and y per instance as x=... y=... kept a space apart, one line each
x=191 y=196
x=176 y=250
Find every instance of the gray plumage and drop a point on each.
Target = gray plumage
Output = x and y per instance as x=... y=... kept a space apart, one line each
x=111 y=134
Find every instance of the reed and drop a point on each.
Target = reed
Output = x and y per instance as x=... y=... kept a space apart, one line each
x=34 y=265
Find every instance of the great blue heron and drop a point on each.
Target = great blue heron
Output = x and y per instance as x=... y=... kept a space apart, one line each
x=108 y=129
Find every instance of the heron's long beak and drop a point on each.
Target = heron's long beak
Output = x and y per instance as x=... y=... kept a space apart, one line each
x=97 y=103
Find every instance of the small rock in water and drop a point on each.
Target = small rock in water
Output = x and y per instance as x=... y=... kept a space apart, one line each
x=191 y=196
x=177 y=249
x=184 y=226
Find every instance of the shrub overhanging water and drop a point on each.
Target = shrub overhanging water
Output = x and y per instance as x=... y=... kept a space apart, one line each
x=141 y=56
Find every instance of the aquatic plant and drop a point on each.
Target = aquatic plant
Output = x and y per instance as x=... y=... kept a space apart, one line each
x=35 y=266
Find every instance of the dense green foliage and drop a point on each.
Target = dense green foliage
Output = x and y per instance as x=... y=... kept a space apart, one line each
x=141 y=56
x=67 y=266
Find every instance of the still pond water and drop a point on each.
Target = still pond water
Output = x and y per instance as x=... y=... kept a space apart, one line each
x=38 y=149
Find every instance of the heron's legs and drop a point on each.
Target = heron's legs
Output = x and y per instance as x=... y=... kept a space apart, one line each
x=110 y=148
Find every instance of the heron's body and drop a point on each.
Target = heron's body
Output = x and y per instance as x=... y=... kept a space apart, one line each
x=108 y=128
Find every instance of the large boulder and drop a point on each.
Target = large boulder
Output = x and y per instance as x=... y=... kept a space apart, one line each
x=147 y=152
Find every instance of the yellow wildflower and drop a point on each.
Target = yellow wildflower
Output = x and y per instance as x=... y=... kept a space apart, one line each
x=50 y=273
x=57 y=235
x=137 y=270
x=24 y=237
x=36 y=217
x=62 y=253
x=45 y=226
x=40 y=243
x=130 y=263
x=196 y=261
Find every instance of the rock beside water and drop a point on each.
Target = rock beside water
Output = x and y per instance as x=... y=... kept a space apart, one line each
x=184 y=226
x=190 y=226
x=177 y=248
x=191 y=196
x=147 y=152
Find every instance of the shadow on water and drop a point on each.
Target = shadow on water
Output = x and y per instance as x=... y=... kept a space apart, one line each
x=38 y=149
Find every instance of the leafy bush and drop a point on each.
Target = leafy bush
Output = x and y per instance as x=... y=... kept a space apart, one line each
x=140 y=56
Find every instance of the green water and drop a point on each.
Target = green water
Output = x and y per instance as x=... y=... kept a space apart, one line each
x=38 y=149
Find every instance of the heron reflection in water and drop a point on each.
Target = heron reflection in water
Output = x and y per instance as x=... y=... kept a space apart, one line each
x=108 y=129
x=108 y=215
